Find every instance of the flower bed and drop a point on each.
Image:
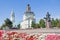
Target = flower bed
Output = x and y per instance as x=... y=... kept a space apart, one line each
x=8 y=35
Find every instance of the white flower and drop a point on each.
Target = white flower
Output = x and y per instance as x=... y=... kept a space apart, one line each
x=5 y=35
x=42 y=37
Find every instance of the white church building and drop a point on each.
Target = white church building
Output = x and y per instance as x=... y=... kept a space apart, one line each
x=28 y=17
x=13 y=17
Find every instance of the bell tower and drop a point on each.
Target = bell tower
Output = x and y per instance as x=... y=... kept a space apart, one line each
x=13 y=17
x=28 y=17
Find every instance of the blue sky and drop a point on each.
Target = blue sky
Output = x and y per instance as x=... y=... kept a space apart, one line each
x=39 y=7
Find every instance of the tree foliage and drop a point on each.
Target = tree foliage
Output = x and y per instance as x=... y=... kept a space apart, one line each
x=33 y=24
x=37 y=25
x=57 y=23
x=18 y=26
x=3 y=26
x=42 y=23
x=8 y=23
x=53 y=22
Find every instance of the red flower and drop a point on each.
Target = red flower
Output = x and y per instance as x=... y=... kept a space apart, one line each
x=12 y=33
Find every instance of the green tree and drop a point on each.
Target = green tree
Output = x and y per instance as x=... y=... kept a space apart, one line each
x=37 y=25
x=33 y=24
x=53 y=22
x=42 y=23
x=3 y=26
x=8 y=23
x=57 y=23
x=18 y=26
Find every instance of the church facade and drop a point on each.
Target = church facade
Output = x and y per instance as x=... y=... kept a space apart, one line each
x=28 y=17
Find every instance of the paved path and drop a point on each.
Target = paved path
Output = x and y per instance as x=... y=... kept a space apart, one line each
x=43 y=30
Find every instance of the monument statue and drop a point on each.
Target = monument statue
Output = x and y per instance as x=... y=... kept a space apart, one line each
x=47 y=20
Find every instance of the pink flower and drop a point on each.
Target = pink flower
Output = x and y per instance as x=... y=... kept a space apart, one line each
x=52 y=37
x=1 y=34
